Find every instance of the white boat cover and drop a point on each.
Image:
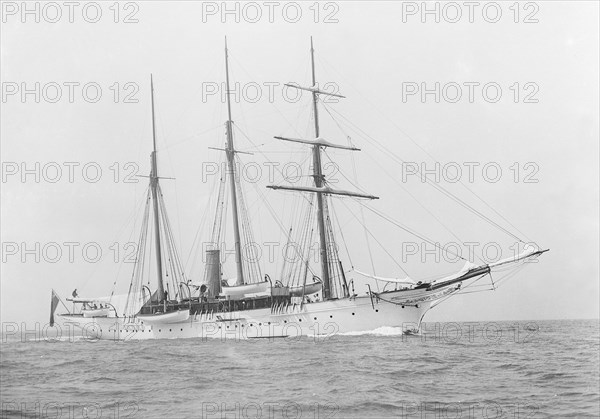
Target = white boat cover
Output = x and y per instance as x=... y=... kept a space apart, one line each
x=100 y=312
x=404 y=281
x=409 y=282
x=308 y=289
x=166 y=318
x=238 y=291
x=466 y=268
x=528 y=252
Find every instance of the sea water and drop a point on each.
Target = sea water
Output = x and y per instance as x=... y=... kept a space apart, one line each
x=520 y=369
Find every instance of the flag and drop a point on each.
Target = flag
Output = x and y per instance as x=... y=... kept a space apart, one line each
x=53 y=304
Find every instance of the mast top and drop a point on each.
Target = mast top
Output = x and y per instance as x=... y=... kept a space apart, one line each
x=153 y=121
x=228 y=93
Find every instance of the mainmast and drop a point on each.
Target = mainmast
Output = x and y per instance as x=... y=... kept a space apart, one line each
x=230 y=151
x=154 y=188
x=318 y=179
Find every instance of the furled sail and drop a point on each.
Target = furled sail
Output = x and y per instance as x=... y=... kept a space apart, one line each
x=402 y=281
x=320 y=141
x=468 y=271
x=313 y=89
x=322 y=189
x=529 y=252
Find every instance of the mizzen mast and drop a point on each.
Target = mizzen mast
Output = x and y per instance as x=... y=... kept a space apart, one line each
x=154 y=188
x=230 y=151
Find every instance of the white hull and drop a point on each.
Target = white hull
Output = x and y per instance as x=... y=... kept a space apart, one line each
x=314 y=319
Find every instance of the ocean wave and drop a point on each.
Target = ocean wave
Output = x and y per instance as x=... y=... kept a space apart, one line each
x=380 y=331
x=366 y=374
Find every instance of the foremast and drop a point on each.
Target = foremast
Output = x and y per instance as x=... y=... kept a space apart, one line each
x=154 y=189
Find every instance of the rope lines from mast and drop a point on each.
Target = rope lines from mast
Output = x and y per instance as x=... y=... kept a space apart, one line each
x=392 y=221
x=408 y=230
x=217 y=227
x=135 y=296
x=377 y=241
x=303 y=255
x=112 y=292
x=297 y=253
x=338 y=287
x=374 y=106
x=173 y=267
x=436 y=186
x=174 y=264
x=249 y=252
x=362 y=213
x=394 y=179
x=513 y=271
x=199 y=232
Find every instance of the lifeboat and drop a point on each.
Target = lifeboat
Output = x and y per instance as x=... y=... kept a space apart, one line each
x=246 y=291
x=308 y=289
x=178 y=316
x=95 y=312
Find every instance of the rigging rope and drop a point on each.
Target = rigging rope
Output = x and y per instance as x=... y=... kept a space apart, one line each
x=429 y=182
x=355 y=183
x=432 y=157
x=408 y=230
x=377 y=241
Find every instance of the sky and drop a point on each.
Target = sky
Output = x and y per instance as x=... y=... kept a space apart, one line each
x=503 y=98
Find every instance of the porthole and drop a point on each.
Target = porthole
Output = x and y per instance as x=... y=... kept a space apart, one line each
x=170 y=330
x=331 y=316
x=159 y=330
x=376 y=311
x=315 y=318
x=353 y=314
